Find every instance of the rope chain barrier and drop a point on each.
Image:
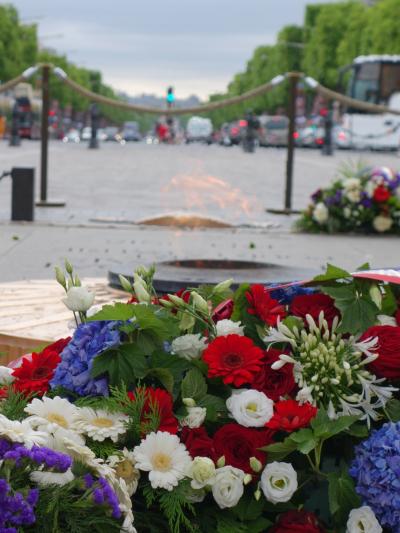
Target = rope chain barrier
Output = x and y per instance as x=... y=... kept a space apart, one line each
x=211 y=106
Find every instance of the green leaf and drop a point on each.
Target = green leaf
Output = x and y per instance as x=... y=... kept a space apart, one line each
x=194 y=385
x=293 y=321
x=280 y=450
x=392 y=408
x=305 y=440
x=389 y=302
x=164 y=376
x=249 y=508
x=124 y=364
x=332 y=273
x=335 y=426
x=159 y=322
x=117 y=311
x=358 y=430
x=342 y=496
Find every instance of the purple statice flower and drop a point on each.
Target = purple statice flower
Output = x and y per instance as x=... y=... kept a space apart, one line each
x=89 y=340
x=335 y=199
x=376 y=471
x=41 y=456
x=15 y=510
x=366 y=201
x=103 y=494
x=285 y=295
x=89 y=481
x=316 y=195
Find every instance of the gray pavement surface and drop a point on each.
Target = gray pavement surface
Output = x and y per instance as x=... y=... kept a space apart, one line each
x=120 y=184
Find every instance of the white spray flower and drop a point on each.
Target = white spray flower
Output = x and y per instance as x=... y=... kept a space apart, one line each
x=195 y=417
x=228 y=327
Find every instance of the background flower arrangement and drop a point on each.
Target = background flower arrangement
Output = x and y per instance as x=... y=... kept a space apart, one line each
x=362 y=200
x=264 y=409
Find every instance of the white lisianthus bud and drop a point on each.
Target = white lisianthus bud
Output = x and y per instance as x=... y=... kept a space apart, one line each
x=199 y=302
x=195 y=417
x=176 y=300
x=223 y=286
x=125 y=283
x=60 y=277
x=363 y=520
x=257 y=495
x=68 y=267
x=228 y=486
x=221 y=461
x=278 y=482
x=227 y=327
x=78 y=299
x=320 y=213
x=250 y=408
x=141 y=292
x=376 y=296
x=189 y=402
x=382 y=223
x=248 y=478
x=255 y=464
x=202 y=471
x=6 y=376
x=189 y=346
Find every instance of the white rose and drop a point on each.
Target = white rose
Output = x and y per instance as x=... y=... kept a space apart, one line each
x=385 y=320
x=228 y=327
x=250 y=408
x=347 y=212
x=279 y=482
x=228 y=486
x=6 y=376
x=202 y=471
x=351 y=183
x=354 y=195
x=78 y=299
x=189 y=346
x=195 y=417
x=382 y=223
x=363 y=520
x=320 y=213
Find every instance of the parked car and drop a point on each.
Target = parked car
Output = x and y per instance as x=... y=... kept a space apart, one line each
x=312 y=134
x=199 y=129
x=236 y=131
x=72 y=136
x=86 y=134
x=274 y=130
x=131 y=132
x=111 y=133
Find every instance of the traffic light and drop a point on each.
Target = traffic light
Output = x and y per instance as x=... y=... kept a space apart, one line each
x=170 y=97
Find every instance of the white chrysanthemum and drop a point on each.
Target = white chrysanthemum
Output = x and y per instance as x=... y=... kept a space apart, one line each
x=164 y=457
x=49 y=414
x=21 y=432
x=195 y=417
x=320 y=213
x=99 y=424
x=6 y=376
x=189 y=346
x=43 y=479
x=363 y=520
x=250 y=408
x=278 y=482
x=228 y=486
x=124 y=466
x=228 y=327
x=382 y=223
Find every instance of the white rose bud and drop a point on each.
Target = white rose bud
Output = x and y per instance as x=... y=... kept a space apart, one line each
x=363 y=520
x=195 y=417
x=202 y=471
x=278 y=482
x=228 y=327
x=78 y=299
x=189 y=346
x=200 y=303
x=320 y=213
x=228 y=486
x=250 y=408
x=6 y=376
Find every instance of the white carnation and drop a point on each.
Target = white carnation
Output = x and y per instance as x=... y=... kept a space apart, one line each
x=228 y=486
x=363 y=520
x=189 y=346
x=320 y=213
x=195 y=417
x=250 y=408
x=382 y=223
x=228 y=327
x=279 y=482
x=78 y=299
x=6 y=376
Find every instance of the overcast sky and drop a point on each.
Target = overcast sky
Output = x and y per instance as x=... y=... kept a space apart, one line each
x=144 y=46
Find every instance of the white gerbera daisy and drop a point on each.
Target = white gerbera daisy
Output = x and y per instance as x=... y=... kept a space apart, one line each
x=99 y=424
x=165 y=457
x=21 y=432
x=55 y=439
x=43 y=479
x=124 y=466
x=49 y=414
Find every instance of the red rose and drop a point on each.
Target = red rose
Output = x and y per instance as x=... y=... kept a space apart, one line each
x=238 y=444
x=160 y=400
x=381 y=194
x=313 y=304
x=234 y=358
x=289 y=415
x=274 y=383
x=263 y=306
x=223 y=310
x=297 y=522
x=387 y=365
x=36 y=370
x=198 y=443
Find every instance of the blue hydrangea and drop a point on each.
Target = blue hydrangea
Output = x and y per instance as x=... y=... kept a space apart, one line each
x=89 y=340
x=285 y=295
x=376 y=471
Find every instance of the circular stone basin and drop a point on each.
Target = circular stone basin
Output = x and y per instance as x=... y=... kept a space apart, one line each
x=174 y=275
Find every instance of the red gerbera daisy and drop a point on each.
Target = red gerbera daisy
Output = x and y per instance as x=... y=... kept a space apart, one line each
x=263 y=306
x=234 y=358
x=36 y=371
x=290 y=415
x=161 y=400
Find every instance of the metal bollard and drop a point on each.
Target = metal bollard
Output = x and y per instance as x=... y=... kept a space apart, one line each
x=22 y=196
x=15 y=139
x=94 y=118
